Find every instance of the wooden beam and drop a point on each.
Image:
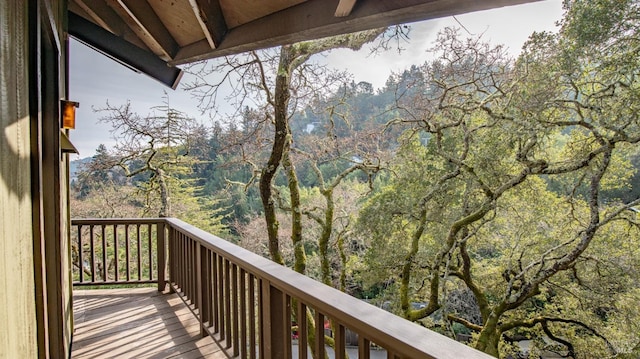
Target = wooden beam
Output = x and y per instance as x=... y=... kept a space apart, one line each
x=344 y=8
x=102 y=14
x=141 y=18
x=92 y=12
x=315 y=19
x=123 y=51
x=88 y=11
x=211 y=20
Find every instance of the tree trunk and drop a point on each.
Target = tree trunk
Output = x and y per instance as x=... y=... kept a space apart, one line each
x=280 y=107
x=300 y=257
x=489 y=338
x=325 y=236
x=165 y=199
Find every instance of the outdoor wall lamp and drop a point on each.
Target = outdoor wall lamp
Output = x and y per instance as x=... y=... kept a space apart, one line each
x=69 y=114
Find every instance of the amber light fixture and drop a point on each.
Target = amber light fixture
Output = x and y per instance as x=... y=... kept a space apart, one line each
x=69 y=114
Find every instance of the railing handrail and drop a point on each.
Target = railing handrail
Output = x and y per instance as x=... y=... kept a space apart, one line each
x=119 y=221
x=381 y=326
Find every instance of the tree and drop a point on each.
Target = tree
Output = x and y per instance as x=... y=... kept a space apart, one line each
x=153 y=152
x=280 y=82
x=470 y=209
x=151 y=146
x=97 y=173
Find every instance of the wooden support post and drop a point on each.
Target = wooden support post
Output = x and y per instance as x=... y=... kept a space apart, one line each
x=173 y=262
x=161 y=253
x=272 y=321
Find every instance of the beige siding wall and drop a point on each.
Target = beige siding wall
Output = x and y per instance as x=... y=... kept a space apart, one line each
x=67 y=285
x=65 y=228
x=18 y=335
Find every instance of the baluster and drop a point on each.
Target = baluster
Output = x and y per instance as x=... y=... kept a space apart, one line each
x=286 y=325
x=179 y=260
x=235 y=311
x=193 y=261
x=302 y=330
x=175 y=243
x=93 y=254
x=185 y=275
x=339 y=340
x=80 y=259
x=252 y=317
x=364 y=347
x=104 y=252
x=188 y=270
x=319 y=342
x=210 y=288
x=139 y=249
x=264 y=327
x=216 y=293
x=199 y=252
x=192 y=271
x=150 y=251
x=127 y=251
x=243 y=313
x=222 y=318
x=227 y=303
x=116 y=253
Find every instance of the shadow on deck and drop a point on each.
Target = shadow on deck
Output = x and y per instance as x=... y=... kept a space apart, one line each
x=137 y=323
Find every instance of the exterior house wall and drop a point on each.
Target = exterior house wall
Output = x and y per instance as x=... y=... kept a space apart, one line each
x=35 y=303
x=18 y=334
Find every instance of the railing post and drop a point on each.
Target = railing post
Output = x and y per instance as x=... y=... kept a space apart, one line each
x=161 y=253
x=173 y=261
x=272 y=321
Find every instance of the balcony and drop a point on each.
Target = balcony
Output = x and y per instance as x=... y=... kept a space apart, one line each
x=213 y=299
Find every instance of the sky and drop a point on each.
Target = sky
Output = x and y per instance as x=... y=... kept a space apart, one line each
x=96 y=79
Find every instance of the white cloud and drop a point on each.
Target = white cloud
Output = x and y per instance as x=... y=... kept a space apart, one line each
x=509 y=26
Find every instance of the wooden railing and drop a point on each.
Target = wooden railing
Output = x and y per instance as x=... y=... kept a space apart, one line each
x=118 y=251
x=255 y=308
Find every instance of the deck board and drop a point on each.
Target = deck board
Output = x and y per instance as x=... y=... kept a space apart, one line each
x=136 y=323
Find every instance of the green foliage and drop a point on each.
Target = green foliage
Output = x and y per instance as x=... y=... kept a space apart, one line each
x=513 y=195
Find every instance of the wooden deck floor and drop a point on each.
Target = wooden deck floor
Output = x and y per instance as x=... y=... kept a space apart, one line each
x=136 y=323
